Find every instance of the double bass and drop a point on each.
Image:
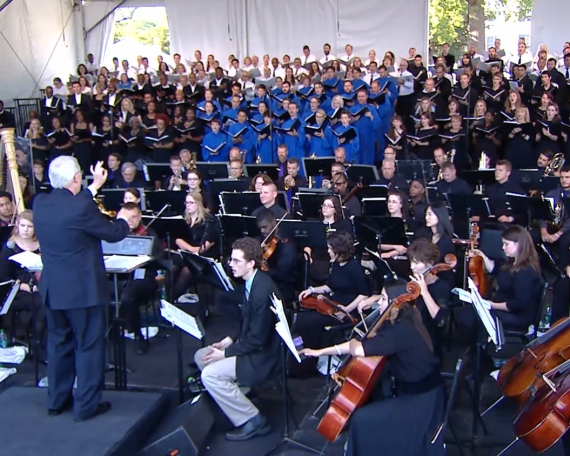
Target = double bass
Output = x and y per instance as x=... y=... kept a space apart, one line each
x=357 y=378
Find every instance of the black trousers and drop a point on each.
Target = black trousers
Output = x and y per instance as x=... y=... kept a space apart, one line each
x=76 y=346
x=135 y=293
x=31 y=313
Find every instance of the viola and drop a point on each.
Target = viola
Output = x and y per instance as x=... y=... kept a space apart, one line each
x=357 y=378
x=545 y=418
x=521 y=376
x=477 y=265
x=325 y=306
x=449 y=263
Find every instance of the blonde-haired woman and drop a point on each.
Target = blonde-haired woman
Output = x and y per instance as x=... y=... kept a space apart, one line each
x=27 y=303
x=201 y=239
x=519 y=149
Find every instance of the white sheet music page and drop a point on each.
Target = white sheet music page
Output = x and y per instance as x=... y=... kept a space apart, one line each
x=28 y=260
x=484 y=311
x=125 y=262
x=282 y=327
x=180 y=319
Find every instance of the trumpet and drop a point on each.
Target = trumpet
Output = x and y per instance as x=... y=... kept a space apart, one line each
x=289 y=182
x=555 y=165
x=258 y=159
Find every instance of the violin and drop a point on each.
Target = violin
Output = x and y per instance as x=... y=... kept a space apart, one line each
x=545 y=418
x=141 y=230
x=357 y=378
x=269 y=244
x=522 y=375
x=325 y=306
x=449 y=263
x=477 y=265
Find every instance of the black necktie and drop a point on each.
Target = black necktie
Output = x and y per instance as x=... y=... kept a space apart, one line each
x=371 y=77
x=567 y=76
x=520 y=59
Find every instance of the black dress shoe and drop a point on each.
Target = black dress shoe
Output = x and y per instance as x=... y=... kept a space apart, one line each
x=67 y=405
x=102 y=408
x=256 y=426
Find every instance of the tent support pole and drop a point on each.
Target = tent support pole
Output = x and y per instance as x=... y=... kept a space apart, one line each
x=87 y=32
x=5 y=4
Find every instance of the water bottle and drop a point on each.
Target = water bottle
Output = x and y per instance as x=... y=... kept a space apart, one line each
x=3 y=339
x=547 y=316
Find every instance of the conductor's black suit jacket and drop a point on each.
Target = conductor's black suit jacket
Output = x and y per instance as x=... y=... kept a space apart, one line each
x=70 y=229
x=256 y=342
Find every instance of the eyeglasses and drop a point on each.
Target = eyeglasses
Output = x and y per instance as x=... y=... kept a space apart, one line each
x=328 y=206
x=192 y=178
x=235 y=260
x=190 y=202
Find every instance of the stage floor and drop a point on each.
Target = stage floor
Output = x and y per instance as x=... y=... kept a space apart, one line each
x=27 y=430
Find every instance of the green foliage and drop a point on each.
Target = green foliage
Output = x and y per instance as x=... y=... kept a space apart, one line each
x=144 y=30
x=448 y=19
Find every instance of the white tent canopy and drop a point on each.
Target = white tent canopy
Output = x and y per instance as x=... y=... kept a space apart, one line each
x=39 y=43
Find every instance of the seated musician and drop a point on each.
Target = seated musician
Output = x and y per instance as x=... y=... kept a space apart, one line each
x=517 y=298
x=196 y=186
x=389 y=177
x=251 y=353
x=6 y=209
x=268 y=198
x=177 y=180
x=132 y=195
x=420 y=396
x=340 y=187
x=439 y=231
x=282 y=264
x=202 y=239
x=450 y=183
x=497 y=192
x=346 y=286
x=418 y=203
x=27 y=302
x=143 y=285
x=258 y=181
x=336 y=169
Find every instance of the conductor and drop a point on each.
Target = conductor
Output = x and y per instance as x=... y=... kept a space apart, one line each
x=73 y=286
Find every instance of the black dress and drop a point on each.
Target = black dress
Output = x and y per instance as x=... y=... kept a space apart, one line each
x=439 y=291
x=405 y=424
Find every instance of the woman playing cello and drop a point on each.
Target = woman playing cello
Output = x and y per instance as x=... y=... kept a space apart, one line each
x=404 y=424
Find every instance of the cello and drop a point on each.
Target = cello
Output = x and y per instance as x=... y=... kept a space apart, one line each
x=546 y=416
x=477 y=265
x=357 y=378
x=325 y=306
x=522 y=375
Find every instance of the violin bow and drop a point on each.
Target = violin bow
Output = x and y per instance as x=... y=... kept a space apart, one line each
x=274 y=229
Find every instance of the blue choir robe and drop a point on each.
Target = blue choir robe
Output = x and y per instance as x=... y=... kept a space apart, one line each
x=307 y=113
x=385 y=111
x=206 y=119
x=211 y=142
x=278 y=101
x=295 y=144
x=331 y=86
x=229 y=114
x=216 y=104
x=266 y=145
x=321 y=147
x=247 y=143
x=304 y=96
x=352 y=147
x=358 y=84
x=242 y=105
x=367 y=133
x=254 y=105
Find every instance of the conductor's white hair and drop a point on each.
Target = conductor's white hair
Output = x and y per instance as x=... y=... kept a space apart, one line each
x=62 y=170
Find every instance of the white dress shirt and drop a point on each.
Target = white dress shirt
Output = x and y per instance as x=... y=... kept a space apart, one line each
x=327 y=58
x=308 y=59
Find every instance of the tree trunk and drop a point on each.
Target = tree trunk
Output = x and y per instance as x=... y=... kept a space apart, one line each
x=476 y=23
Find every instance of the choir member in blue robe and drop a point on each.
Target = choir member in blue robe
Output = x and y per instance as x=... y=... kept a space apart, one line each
x=319 y=136
x=242 y=136
x=330 y=82
x=257 y=117
x=265 y=147
x=324 y=100
x=367 y=122
x=292 y=133
x=352 y=146
x=333 y=114
x=357 y=82
x=380 y=99
x=261 y=97
x=210 y=96
x=309 y=113
x=305 y=92
x=285 y=94
x=206 y=114
x=215 y=146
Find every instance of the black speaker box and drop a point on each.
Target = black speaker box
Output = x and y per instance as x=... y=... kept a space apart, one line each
x=184 y=430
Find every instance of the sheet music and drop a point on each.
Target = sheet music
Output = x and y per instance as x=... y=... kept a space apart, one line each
x=125 y=262
x=5 y=372
x=220 y=272
x=10 y=298
x=180 y=319
x=28 y=260
x=282 y=327
x=483 y=309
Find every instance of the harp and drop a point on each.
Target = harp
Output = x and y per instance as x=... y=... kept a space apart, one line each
x=9 y=179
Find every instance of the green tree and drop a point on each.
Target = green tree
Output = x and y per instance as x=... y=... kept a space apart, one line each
x=145 y=31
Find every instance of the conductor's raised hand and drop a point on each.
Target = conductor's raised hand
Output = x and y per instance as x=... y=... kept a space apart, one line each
x=99 y=174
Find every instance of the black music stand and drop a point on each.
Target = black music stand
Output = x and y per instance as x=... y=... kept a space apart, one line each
x=528 y=179
x=270 y=169
x=480 y=177
x=373 y=231
x=216 y=187
x=205 y=269
x=374 y=206
x=236 y=226
x=113 y=198
x=463 y=207
x=317 y=167
x=432 y=195
x=170 y=228
x=306 y=233
x=213 y=170
x=245 y=203
x=5 y=232
x=414 y=169
x=363 y=174
x=534 y=208
x=373 y=191
x=548 y=183
x=175 y=199
x=311 y=204
x=154 y=172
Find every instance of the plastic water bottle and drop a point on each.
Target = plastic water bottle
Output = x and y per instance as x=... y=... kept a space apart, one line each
x=3 y=339
x=547 y=316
